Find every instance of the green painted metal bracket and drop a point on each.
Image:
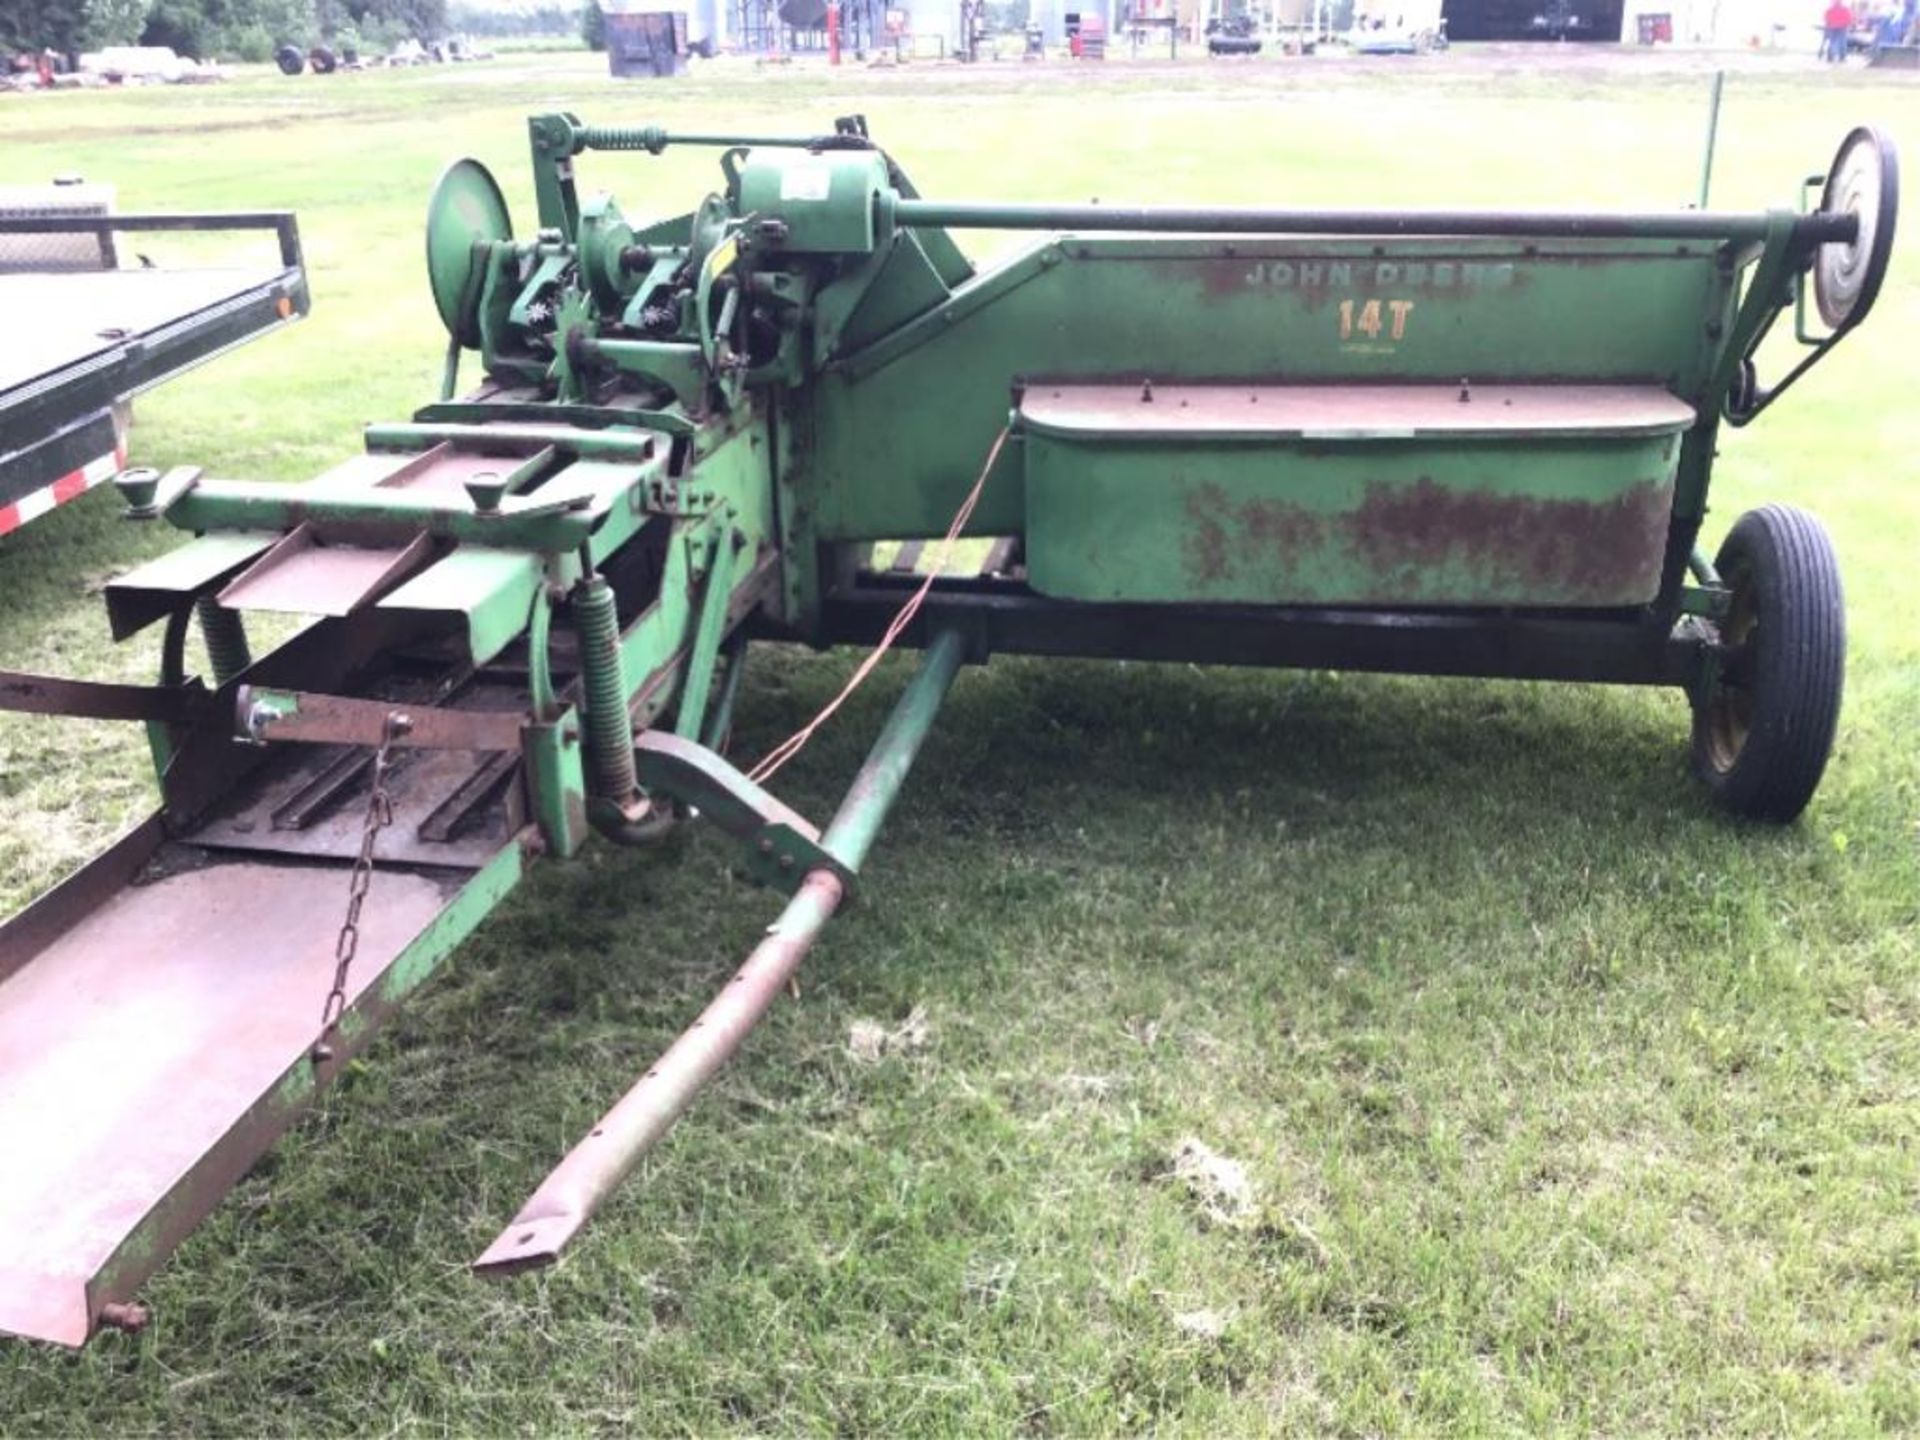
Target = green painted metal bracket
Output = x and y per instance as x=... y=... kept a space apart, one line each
x=724 y=492
x=497 y=295
x=545 y=703
x=721 y=560
x=720 y=263
x=1706 y=670
x=661 y=629
x=1710 y=598
x=876 y=295
x=450 y=370
x=1710 y=602
x=603 y=235
x=634 y=444
x=1768 y=292
x=597 y=500
x=719 y=721
x=592 y=417
x=795 y=497
x=675 y=364
x=574 y=322
x=557 y=783
x=655 y=692
x=976 y=295
x=555 y=140
x=668 y=241
x=537 y=526
x=489 y=588
x=782 y=845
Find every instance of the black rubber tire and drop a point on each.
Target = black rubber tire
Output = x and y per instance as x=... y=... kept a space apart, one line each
x=1762 y=736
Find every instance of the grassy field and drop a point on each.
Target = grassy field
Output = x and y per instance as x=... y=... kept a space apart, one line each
x=1564 y=1104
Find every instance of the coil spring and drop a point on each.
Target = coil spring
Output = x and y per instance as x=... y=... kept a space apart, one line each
x=610 y=770
x=225 y=634
x=650 y=138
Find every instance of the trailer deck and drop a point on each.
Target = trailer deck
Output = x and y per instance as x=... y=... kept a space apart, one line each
x=82 y=343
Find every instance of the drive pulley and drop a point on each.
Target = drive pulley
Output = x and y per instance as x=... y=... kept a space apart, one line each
x=1864 y=182
x=466 y=217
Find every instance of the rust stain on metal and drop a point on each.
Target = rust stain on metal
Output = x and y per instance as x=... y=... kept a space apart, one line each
x=1515 y=546
x=1578 y=551
x=1222 y=534
x=1204 y=541
x=1283 y=529
x=125 y=1315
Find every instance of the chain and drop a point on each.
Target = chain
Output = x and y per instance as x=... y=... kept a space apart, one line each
x=379 y=816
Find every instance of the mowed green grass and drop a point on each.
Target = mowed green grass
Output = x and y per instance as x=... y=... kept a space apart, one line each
x=1568 y=1105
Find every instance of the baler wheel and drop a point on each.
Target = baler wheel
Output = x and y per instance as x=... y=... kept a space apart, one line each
x=1762 y=730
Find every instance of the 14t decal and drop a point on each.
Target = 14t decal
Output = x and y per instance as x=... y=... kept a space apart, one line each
x=1369 y=321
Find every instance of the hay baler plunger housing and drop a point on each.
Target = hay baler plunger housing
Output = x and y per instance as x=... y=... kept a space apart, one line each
x=1451 y=443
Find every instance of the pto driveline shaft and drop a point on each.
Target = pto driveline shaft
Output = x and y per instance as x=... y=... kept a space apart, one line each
x=1235 y=220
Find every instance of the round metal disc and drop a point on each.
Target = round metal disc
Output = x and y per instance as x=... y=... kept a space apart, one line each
x=1864 y=181
x=467 y=206
x=709 y=229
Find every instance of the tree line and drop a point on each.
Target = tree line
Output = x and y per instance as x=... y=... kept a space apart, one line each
x=217 y=29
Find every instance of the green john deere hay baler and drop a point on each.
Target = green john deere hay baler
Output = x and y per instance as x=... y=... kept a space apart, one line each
x=1447 y=443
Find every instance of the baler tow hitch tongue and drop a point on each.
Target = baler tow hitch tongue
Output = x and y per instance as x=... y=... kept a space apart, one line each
x=578 y=1185
x=531 y=604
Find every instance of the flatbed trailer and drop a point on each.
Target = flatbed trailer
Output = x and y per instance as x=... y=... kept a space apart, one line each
x=81 y=343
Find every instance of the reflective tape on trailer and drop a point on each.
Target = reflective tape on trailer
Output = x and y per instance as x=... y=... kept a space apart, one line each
x=73 y=483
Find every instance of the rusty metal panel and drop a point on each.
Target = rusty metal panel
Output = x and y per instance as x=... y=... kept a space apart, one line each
x=159 y=587
x=47 y=918
x=100 y=700
x=305 y=575
x=1475 y=522
x=137 y=1047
